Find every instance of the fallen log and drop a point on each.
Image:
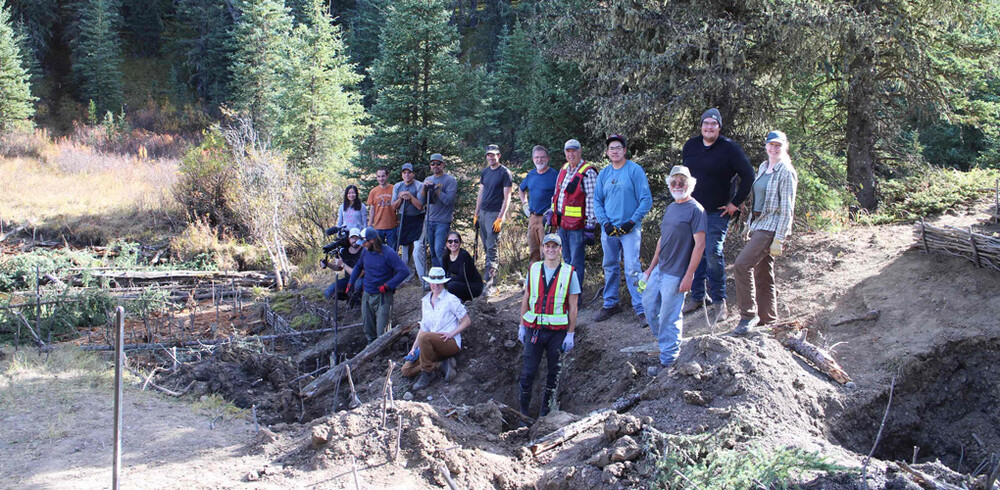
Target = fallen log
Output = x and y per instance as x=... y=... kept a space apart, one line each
x=793 y=336
x=924 y=480
x=568 y=432
x=329 y=379
x=228 y=340
x=515 y=414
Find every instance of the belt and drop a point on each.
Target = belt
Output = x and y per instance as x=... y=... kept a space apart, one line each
x=756 y=214
x=537 y=214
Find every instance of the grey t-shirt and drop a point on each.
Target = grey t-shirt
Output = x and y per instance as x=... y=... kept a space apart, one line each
x=680 y=222
x=493 y=182
x=760 y=191
x=408 y=208
x=442 y=208
x=574 y=282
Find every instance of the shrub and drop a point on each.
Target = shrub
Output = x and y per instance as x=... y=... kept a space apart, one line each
x=24 y=143
x=928 y=192
x=206 y=183
x=201 y=246
x=18 y=272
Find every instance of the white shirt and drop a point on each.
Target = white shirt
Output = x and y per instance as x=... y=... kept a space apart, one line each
x=444 y=316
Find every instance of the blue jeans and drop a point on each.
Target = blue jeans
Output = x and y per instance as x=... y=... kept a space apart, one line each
x=670 y=323
x=614 y=249
x=574 y=251
x=437 y=235
x=388 y=237
x=713 y=264
x=490 y=239
x=651 y=298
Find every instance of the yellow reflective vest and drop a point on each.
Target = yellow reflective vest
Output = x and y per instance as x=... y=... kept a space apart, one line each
x=547 y=302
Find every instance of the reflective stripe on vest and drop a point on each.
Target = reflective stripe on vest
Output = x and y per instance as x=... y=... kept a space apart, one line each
x=573 y=203
x=542 y=312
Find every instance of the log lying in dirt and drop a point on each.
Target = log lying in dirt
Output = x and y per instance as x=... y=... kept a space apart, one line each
x=329 y=379
x=227 y=340
x=982 y=250
x=793 y=336
x=924 y=480
x=246 y=278
x=568 y=432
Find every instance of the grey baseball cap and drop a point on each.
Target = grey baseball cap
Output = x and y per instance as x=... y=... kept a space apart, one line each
x=572 y=145
x=552 y=237
x=408 y=166
x=437 y=157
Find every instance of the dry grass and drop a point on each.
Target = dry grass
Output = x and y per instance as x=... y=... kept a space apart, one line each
x=76 y=191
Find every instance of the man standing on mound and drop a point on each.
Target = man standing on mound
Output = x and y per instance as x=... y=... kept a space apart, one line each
x=548 y=319
x=383 y=272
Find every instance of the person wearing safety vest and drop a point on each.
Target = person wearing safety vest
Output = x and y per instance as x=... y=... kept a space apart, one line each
x=548 y=319
x=573 y=206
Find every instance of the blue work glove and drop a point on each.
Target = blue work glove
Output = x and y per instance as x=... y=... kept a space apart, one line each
x=412 y=357
x=567 y=344
x=547 y=218
x=588 y=235
x=522 y=334
x=627 y=227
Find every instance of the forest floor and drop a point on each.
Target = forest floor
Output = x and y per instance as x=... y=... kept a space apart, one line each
x=936 y=333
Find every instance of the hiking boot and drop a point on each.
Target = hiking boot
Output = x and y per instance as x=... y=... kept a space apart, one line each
x=424 y=380
x=606 y=313
x=719 y=311
x=692 y=305
x=448 y=367
x=745 y=325
x=642 y=320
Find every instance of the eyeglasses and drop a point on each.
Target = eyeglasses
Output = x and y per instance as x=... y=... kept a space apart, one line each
x=710 y=124
x=678 y=183
x=436 y=163
x=454 y=241
x=615 y=148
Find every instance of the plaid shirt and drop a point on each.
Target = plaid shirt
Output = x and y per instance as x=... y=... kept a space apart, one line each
x=589 y=185
x=779 y=201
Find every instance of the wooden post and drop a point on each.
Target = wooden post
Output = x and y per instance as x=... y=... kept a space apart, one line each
x=119 y=361
x=923 y=235
x=38 y=302
x=975 y=252
x=996 y=201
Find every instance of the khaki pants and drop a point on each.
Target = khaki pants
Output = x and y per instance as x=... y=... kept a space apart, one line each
x=432 y=351
x=536 y=231
x=754 y=275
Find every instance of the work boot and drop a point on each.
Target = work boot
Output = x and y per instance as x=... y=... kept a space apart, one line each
x=546 y=402
x=745 y=325
x=448 y=367
x=606 y=313
x=524 y=401
x=692 y=305
x=424 y=380
x=720 y=312
x=642 y=320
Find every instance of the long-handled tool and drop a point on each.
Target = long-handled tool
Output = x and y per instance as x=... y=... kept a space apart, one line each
x=475 y=246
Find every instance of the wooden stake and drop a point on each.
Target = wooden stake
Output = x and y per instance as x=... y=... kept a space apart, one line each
x=355 y=401
x=119 y=361
x=878 y=436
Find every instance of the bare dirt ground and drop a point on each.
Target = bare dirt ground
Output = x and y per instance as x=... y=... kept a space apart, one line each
x=936 y=331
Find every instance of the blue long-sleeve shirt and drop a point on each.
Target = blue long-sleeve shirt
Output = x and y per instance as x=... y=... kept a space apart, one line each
x=622 y=195
x=380 y=268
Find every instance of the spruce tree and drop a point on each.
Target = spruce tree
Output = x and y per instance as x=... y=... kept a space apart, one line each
x=96 y=54
x=203 y=47
x=15 y=94
x=323 y=115
x=262 y=63
x=143 y=21
x=418 y=79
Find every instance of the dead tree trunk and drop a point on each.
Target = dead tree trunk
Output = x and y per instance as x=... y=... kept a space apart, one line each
x=329 y=379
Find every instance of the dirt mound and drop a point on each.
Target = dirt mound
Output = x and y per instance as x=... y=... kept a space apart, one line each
x=475 y=456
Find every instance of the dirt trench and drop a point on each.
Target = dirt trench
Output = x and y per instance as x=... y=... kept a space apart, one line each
x=945 y=402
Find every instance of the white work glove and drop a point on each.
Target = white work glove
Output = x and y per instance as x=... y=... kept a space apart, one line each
x=567 y=344
x=522 y=334
x=527 y=211
x=775 y=248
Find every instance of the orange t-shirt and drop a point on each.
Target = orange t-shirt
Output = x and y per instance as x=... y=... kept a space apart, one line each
x=380 y=207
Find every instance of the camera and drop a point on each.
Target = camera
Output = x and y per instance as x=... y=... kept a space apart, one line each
x=340 y=242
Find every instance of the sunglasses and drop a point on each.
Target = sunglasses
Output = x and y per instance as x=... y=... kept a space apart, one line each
x=436 y=164
x=454 y=241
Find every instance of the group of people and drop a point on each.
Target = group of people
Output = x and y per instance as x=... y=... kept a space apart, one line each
x=566 y=211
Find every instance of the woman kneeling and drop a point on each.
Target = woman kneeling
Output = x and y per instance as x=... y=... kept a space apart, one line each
x=440 y=337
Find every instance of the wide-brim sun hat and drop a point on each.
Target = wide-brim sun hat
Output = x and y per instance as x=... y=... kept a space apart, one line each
x=436 y=276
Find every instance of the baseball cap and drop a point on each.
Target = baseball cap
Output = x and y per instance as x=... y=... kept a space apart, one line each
x=354 y=232
x=680 y=170
x=572 y=145
x=778 y=136
x=408 y=166
x=616 y=137
x=437 y=157
x=493 y=149
x=552 y=237
x=369 y=233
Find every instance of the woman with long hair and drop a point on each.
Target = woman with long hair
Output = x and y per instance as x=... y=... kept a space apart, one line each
x=353 y=213
x=770 y=223
x=466 y=282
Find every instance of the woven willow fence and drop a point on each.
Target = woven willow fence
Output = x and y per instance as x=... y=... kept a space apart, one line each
x=982 y=250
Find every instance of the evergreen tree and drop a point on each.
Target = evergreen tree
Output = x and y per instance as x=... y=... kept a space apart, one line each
x=323 y=114
x=15 y=93
x=96 y=54
x=204 y=49
x=363 y=27
x=144 y=24
x=418 y=79
x=33 y=20
x=262 y=63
